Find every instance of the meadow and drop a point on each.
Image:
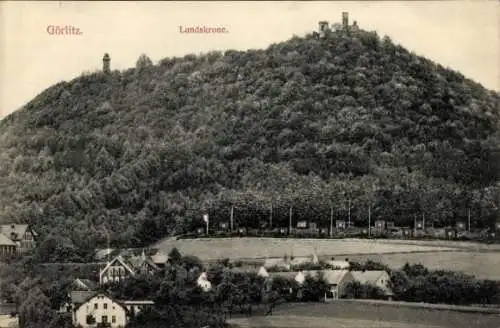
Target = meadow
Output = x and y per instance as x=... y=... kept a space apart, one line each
x=259 y=248
x=355 y=315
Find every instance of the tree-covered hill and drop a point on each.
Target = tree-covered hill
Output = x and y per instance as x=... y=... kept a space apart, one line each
x=310 y=121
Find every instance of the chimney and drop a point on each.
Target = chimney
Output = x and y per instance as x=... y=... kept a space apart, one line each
x=106 y=63
x=345 y=20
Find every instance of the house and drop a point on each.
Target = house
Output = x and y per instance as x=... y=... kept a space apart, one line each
x=203 y=282
x=160 y=259
x=337 y=281
x=21 y=234
x=91 y=308
x=376 y=278
x=7 y=246
x=129 y=263
x=338 y=264
x=390 y=225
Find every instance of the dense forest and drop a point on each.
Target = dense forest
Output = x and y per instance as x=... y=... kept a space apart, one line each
x=310 y=123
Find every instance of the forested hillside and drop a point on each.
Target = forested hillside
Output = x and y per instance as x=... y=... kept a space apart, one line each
x=311 y=122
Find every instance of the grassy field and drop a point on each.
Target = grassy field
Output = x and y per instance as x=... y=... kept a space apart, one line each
x=354 y=315
x=238 y=248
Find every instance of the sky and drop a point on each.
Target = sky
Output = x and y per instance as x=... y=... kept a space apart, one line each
x=463 y=35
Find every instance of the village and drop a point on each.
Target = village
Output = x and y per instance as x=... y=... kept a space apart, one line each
x=89 y=301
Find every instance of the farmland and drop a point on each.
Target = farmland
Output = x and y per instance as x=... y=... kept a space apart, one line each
x=355 y=315
x=480 y=260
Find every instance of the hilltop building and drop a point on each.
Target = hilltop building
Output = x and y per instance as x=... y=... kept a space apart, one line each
x=323 y=26
x=106 y=60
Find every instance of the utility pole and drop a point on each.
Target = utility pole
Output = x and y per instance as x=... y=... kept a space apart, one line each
x=331 y=221
x=232 y=211
x=415 y=224
x=271 y=218
x=290 y=223
x=369 y=220
x=469 y=218
x=423 y=221
x=349 y=215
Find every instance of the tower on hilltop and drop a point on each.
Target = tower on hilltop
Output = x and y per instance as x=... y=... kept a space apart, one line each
x=106 y=63
x=345 y=20
x=323 y=27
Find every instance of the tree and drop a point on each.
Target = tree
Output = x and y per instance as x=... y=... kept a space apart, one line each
x=35 y=311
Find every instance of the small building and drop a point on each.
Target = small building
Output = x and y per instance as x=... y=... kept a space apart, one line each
x=302 y=224
x=200 y=231
x=376 y=278
x=283 y=231
x=106 y=60
x=390 y=225
x=223 y=226
x=380 y=225
x=134 y=307
x=451 y=233
x=160 y=259
x=340 y=224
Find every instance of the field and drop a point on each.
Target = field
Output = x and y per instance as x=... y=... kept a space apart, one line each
x=357 y=315
x=477 y=259
x=252 y=248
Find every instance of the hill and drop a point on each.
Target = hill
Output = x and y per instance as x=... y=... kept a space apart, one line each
x=313 y=122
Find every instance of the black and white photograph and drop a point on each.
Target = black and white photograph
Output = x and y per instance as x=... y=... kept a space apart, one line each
x=250 y=164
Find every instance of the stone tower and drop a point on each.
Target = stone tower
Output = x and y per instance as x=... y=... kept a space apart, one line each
x=345 y=20
x=105 y=63
x=323 y=26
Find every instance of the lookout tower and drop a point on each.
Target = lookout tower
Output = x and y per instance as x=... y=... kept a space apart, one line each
x=345 y=20
x=105 y=63
x=323 y=26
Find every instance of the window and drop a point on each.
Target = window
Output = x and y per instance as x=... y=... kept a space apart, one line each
x=104 y=319
x=105 y=306
x=113 y=319
x=96 y=306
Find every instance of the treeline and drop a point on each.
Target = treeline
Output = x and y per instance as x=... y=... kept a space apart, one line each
x=312 y=124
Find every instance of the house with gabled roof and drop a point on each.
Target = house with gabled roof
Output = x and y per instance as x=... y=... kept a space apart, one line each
x=94 y=308
x=376 y=278
x=337 y=281
x=21 y=234
x=128 y=263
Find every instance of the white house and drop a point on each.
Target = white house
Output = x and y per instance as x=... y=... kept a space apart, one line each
x=203 y=282
x=377 y=278
x=337 y=280
x=100 y=308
